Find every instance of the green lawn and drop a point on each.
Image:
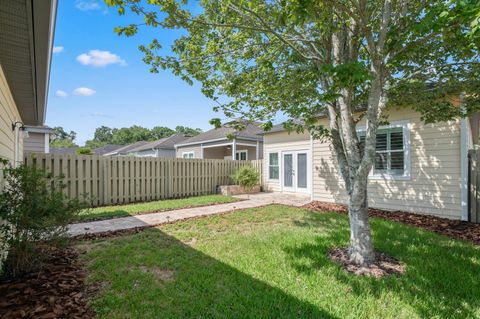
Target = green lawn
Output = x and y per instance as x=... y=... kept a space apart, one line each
x=107 y=212
x=271 y=262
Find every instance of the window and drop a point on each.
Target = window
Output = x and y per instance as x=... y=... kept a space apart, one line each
x=391 y=151
x=188 y=155
x=273 y=168
x=241 y=155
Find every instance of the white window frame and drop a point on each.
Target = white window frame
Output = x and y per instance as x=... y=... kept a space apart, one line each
x=239 y=156
x=189 y=155
x=278 y=165
x=405 y=125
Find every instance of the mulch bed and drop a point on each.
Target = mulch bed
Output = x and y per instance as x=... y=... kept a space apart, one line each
x=57 y=290
x=448 y=227
x=382 y=266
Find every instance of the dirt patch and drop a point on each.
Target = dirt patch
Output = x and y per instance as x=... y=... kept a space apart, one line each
x=58 y=290
x=191 y=242
x=163 y=275
x=382 y=266
x=448 y=227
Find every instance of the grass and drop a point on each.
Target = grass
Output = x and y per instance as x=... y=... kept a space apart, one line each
x=271 y=262
x=107 y=212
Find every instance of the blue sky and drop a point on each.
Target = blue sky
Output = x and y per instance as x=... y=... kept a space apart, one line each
x=98 y=78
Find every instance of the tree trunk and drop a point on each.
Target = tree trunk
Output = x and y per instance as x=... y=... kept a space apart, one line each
x=361 y=245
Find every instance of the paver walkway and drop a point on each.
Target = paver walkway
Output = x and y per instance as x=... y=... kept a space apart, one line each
x=251 y=201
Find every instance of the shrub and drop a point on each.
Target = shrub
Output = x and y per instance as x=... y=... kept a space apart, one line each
x=34 y=212
x=84 y=151
x=246 y=176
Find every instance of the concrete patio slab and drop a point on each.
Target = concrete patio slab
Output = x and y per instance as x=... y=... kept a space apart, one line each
x=146 y=220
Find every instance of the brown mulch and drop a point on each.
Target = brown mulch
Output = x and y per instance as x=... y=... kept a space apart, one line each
x=382 y=266
x=57 y=290
x=448 y=227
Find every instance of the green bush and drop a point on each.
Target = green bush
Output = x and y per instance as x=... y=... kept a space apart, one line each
x=84 y=151
x=246 y=176
x=35 y=213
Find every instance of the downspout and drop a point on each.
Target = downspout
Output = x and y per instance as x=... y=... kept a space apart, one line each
x=465 y=145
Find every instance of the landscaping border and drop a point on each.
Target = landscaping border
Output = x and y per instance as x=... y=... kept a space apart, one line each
x=452 y=228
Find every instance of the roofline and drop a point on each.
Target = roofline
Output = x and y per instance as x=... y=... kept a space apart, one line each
x=217 y=140
x=43 y=30
x=36 y=129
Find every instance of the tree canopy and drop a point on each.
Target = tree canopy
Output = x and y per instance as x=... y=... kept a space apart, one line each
x=350 y=60
x=127 y=135
x=62 y=138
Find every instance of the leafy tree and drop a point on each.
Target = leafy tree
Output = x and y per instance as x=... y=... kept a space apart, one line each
x=347 y=59
x=159 y=132
x=62 y=138
x=188 y=130
x=127 y=135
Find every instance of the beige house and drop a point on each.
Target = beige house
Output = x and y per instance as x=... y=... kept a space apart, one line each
x=421 y=168
x=246 y=144
x=164 y=147
x=26 y=39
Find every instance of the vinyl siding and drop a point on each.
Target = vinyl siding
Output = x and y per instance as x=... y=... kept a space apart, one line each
x=278 y=142
x=221 y=151
x=35 y=142
x=194 y=148
x=434 y=184
x=152 y=153
x=8 y=115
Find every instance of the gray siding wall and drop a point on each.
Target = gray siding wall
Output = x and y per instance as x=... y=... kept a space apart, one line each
x=35 y=142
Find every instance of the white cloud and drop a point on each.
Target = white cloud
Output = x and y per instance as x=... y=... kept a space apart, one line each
x=87 y=5
x=61 y=93
x=84 y=91
x=57 y=49
x=99 y=58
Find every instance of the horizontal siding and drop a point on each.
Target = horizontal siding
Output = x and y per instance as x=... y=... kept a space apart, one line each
x=8 y=115
x=196 y=149
x=434 y=186
x=35 y=142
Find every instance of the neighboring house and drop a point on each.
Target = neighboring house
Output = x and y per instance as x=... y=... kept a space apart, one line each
x=106 y=149
x=420 y=168
x=64 y=150
x=164 y=147
x=37 y=139
x=125 y=150
x=247 y=144
x=26 y=39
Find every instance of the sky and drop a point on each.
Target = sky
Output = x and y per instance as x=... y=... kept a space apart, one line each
x=98 y=78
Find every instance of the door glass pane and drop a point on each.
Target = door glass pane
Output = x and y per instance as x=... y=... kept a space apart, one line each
x=288 y=170
x=243 y=156
x=302 y=170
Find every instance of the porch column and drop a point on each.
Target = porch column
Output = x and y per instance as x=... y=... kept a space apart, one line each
x=201 y=151
x=258 y=151
x=234 y=149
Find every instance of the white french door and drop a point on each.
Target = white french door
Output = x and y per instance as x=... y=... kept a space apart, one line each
x=296 y=171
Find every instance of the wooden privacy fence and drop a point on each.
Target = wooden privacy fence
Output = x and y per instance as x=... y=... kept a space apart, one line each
x=109 y=180
x=474 y=185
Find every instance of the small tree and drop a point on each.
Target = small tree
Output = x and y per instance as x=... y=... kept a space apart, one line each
x=347 y=59
x=33 y=210
x=247 y=177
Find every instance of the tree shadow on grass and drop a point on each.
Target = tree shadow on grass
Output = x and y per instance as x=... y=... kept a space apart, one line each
x=442 y=276
x=154 y=275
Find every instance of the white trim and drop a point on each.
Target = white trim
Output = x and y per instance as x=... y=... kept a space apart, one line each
x=311 y=168
x=201 y=151
x=239 y=157
x=188 y=153
x=268 y=166
x=47 y=143
x=294 y=187
x=257 y=151
x=219 y=139
x=465 y=143
x=234 y=149
x=405 y=125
